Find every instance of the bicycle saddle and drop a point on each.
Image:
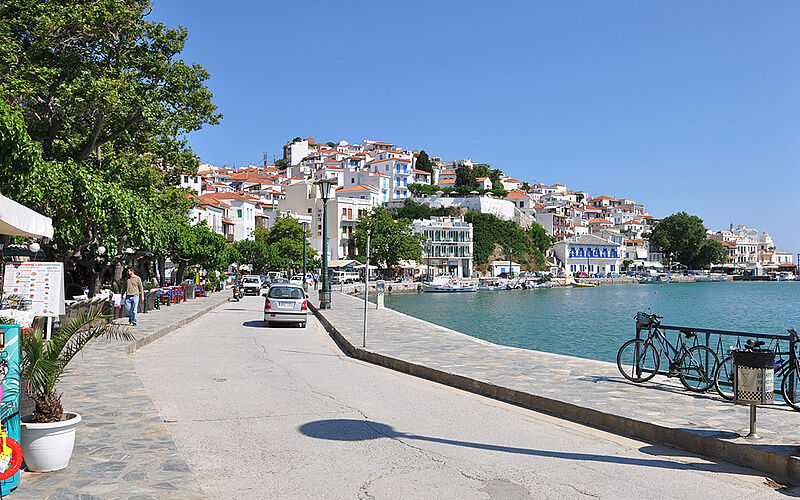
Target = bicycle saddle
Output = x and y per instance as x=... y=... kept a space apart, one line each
x=689 y=335
x=754 y=344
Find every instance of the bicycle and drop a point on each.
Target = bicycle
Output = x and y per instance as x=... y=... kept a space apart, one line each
x=638 y=360
x=789 y=371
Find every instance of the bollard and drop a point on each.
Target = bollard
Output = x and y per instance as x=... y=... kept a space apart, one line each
x=380 y=286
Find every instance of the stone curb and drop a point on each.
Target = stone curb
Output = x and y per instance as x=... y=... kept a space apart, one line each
x=780 y=466
x=164 y=330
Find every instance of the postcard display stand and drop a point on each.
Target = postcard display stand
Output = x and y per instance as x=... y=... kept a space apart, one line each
x=41 y=286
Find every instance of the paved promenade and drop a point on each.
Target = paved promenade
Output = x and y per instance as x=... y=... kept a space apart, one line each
x=283 y=413
x=586 y=391
x=122 y=447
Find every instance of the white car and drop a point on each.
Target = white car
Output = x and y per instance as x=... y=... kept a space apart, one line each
x=297 y=279
x=286 y=303
x=251 y=285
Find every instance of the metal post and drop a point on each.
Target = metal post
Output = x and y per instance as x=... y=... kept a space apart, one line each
x=325 y=295
x=752 y=434
x=366 y=293
x=510 y=265
x=304 y=256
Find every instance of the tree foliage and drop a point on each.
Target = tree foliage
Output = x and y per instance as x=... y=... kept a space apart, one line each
x=488 y=230
x=682 y=237
x=106 y=103
x=390 y=240
x=424 y=163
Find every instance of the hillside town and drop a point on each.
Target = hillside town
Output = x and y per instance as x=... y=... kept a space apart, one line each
x=591 y=233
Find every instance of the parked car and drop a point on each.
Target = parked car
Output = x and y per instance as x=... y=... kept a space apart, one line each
x=583 y=275
x=251 y=285
x=286 y=303
x=297 y=279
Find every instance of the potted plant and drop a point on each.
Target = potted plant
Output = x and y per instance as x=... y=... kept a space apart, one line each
x=48 y=434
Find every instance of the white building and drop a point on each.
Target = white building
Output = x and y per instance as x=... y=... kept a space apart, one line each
x=501 y=208
x=448 y=245
x=399 y=172
x=303 y=198
x=588 y=254
x=504 y=266
x=294 y=152
x=193 y=182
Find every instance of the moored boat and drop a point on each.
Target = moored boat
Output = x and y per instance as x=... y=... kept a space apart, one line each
x=583 y=285
x=445 y=285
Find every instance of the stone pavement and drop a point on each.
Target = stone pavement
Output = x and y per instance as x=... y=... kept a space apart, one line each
x=587 y=391
x=122 y=448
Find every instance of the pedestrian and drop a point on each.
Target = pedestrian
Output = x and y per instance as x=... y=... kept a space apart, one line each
x=134 y=290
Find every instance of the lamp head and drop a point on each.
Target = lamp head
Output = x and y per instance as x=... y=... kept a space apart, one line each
x=325 y=186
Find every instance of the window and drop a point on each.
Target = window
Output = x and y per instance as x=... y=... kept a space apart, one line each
x=352 y=181
x=309 y=210
x=185 y=178
x=239 y=213
x=349 y=213
x=344 y=212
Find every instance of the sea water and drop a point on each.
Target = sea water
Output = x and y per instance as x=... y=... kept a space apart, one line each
x=594 y=322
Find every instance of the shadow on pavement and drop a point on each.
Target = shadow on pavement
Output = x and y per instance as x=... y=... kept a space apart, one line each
x=259 y=323
x=363 y=430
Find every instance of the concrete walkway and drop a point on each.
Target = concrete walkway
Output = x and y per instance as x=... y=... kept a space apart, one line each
x=586 y=391
x=282 y=413
x=122 y=448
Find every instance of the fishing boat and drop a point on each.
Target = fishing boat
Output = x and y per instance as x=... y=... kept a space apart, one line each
x=488 y=284
x=448 y=285
x=583 y=285
x=647 y=280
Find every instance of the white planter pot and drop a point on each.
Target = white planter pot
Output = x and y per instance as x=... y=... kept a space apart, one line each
x=48 y=447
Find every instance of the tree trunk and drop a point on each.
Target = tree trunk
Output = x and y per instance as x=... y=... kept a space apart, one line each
x=161 y=271
x=179 y=273
x=118 y=268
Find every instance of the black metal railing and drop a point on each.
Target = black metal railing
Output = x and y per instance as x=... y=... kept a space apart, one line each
x=721 y=341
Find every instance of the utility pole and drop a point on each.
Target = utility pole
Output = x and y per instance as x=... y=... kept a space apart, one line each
x=366 y=292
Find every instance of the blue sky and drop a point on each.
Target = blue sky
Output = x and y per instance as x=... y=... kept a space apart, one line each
x=679 y=105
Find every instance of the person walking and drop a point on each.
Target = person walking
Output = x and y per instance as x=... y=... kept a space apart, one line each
x=134 y=290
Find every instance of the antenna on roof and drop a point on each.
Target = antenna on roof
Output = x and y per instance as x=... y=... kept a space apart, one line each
x=265 y=157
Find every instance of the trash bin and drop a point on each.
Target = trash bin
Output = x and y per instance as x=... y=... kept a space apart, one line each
x=754 y=375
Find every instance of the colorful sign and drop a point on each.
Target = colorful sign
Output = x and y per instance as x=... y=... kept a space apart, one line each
x=40 y=284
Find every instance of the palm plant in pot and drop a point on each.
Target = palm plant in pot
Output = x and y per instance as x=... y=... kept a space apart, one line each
x=48 y=434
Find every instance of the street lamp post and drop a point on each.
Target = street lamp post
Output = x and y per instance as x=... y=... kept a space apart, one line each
x=305 y=232
x=325 y=186
x=366 y=292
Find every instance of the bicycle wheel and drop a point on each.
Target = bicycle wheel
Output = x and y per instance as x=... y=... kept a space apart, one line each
x=723 y=379
x=790 y=388
x=637 y=360
x=697 y=368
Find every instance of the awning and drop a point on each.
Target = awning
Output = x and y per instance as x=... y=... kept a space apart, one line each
x=19 y=220
x=340 y=262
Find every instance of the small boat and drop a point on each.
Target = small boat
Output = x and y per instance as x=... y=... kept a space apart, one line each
x=583 y=285
x=448 y=285
x=648 y=280
x=488 y=284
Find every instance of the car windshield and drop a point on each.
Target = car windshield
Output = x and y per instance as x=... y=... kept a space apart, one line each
x=285 y=292
x=251 y=280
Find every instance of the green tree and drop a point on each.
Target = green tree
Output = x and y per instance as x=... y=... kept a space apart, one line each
x=287 y=238
x=390 y=240
x=466 y=177
x=92 y=75
x=682 y=237
x=412 y=210
x=489 y=232
x=107 y=98
x=424 y=163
